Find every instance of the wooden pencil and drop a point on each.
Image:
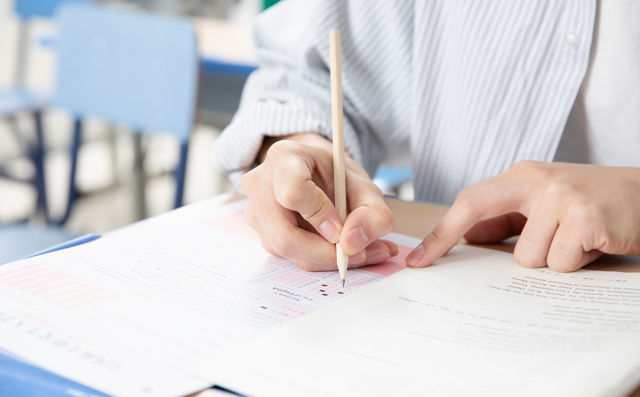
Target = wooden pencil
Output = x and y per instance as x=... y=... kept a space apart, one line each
x=339 y=178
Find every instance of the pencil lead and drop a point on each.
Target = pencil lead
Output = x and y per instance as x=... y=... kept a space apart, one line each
x=343 y=280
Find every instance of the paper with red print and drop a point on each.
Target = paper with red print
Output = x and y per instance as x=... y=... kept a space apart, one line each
x=136 y=311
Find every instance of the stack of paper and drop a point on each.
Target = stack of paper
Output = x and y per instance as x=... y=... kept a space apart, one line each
x=189 y=299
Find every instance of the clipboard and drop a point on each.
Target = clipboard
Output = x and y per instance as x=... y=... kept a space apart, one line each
x=19 y=378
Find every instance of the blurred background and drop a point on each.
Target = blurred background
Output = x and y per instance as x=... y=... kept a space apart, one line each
x=109 y=109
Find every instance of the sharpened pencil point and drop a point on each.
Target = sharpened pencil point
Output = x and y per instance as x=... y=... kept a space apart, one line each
x=343 y=280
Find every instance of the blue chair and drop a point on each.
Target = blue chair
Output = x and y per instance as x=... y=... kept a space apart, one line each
x=127 y=68
x=389 y=179
x=18 y=99
x=39 y=8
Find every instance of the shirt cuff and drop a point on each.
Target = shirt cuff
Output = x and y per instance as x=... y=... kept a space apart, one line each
x=236 y=150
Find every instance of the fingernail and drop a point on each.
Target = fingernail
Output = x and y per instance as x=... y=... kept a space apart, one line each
x=357 y=239
x=329 y=231
x=393 y=250
x=378 y=258
x=414 y=256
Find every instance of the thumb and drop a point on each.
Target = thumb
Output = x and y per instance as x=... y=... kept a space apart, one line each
x=312 y=203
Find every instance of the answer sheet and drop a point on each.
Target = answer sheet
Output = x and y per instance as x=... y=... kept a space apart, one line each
x=475 y=323
x=136 y=312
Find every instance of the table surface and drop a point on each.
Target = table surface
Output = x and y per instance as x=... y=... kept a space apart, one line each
x=418 y=219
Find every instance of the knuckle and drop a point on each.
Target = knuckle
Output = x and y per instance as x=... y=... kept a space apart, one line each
x=465 y=201
x=280 y=149
x=531 y=169
x=582 y=212
x=434 y=238
x=317 y=206
x=294 y=164
x=289 y=153
x=561 y=189
x=288 y=196
x=526 y=166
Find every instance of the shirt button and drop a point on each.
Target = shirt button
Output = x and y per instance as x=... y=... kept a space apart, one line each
x=573 y=40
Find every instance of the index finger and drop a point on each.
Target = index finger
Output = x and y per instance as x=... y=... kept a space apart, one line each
x=370 y=217
x=490 y=198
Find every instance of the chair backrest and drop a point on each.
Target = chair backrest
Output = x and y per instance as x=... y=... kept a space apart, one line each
x=390 y=178
x=26 y=9
x=128 y=68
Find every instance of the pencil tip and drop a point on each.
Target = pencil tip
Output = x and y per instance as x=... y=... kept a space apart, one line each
x=343 y=280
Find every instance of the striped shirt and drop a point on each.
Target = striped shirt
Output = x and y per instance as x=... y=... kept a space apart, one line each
x=460 y=90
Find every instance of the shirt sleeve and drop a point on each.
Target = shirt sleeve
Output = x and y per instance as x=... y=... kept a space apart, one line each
x=290 y=92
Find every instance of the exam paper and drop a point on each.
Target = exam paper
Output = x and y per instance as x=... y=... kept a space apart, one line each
x=475 y=323
x=140 y=310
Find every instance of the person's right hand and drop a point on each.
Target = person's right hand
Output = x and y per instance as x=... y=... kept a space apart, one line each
x=291 y=207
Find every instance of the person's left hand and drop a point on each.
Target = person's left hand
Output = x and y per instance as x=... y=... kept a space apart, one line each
x=567 y=215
